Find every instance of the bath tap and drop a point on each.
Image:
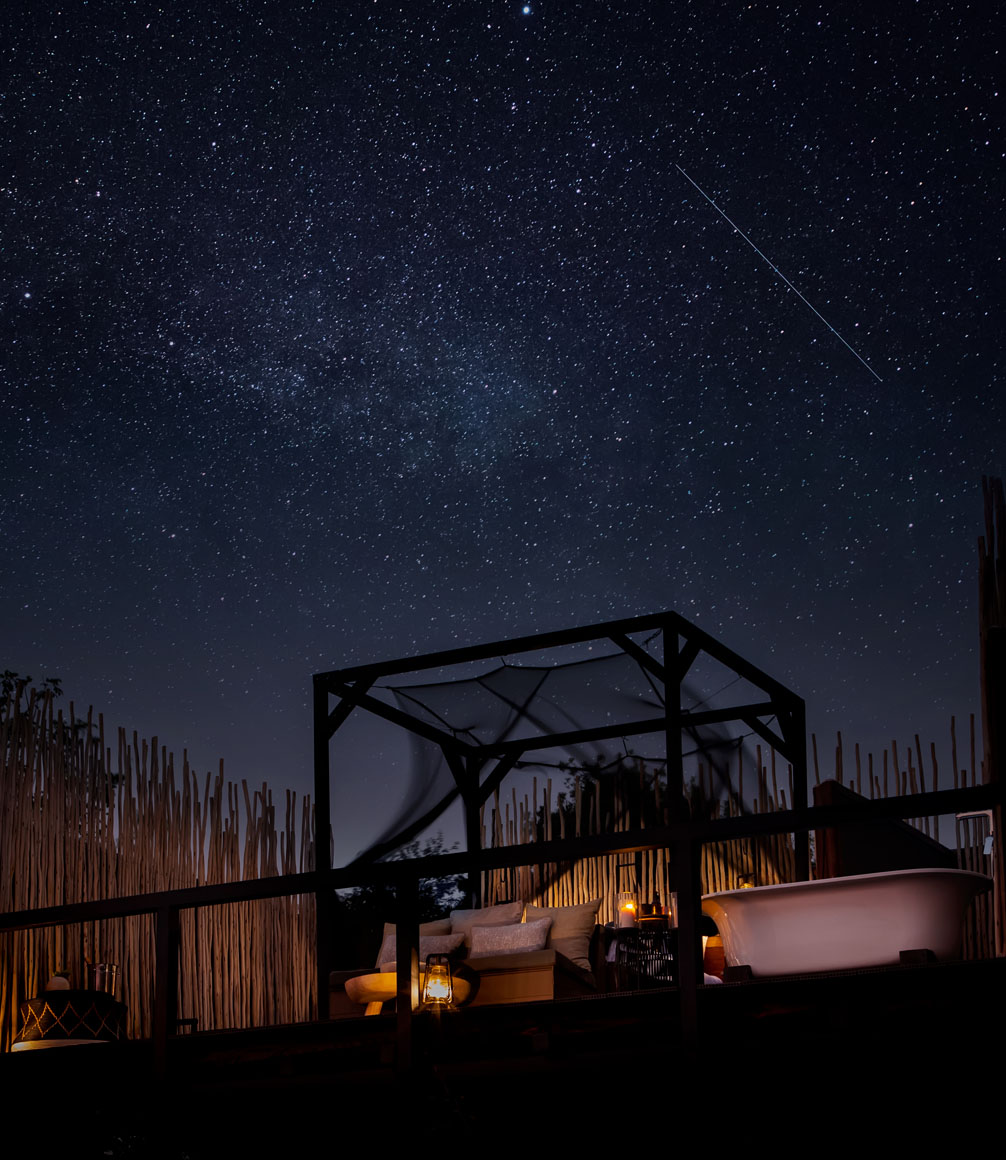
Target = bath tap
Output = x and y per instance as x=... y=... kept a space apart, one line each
x=987 y=844
x=988 y=848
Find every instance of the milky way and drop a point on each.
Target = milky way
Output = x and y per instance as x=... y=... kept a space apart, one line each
x=334 y=332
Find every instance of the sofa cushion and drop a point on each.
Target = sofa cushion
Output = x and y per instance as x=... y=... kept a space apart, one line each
x=436 y=926
x=503 y=914
x=571 y=929
x=429 y=944
x=509 y=939
x=519 y=961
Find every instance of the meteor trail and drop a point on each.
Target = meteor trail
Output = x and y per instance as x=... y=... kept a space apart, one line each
x=774 y=267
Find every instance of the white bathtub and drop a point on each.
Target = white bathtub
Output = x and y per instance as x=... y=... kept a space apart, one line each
x=834 y=924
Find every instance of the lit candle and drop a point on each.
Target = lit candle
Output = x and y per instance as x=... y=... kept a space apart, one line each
x=626 y=910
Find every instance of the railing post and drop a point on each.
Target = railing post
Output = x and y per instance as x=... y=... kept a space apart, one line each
x=801 y=839
x=323 y=899
x=167 y=939
x=687 y=855
x=473 y=829
x=407 y=966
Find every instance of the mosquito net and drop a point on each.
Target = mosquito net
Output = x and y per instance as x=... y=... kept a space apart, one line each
x=528 y=704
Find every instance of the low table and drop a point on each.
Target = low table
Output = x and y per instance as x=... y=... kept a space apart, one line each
x=375 y=989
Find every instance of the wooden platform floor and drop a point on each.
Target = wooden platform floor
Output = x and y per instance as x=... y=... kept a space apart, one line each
x=912 y=1053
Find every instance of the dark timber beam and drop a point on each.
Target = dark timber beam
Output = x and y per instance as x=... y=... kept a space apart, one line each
x=796 y=737
x=688 y=878
x=673 y=725
x=492 y=782
x=167 y=938
x=639 y=655
x=323 y=899
x=523 y=745
x=473 y=829
x=943 y=801
x=765 y=733
x=694 y=717
x=337 y=718
x=406 y=968
x=687 y=658
x=742 y=667
x=500 y=648
x=395 y=716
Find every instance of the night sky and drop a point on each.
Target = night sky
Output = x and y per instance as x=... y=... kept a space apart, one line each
x=340 y=331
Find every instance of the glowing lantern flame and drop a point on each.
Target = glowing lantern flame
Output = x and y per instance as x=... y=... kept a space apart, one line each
x=439 y=988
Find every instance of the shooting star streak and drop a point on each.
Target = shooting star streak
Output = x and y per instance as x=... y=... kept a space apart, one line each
x=774 y=267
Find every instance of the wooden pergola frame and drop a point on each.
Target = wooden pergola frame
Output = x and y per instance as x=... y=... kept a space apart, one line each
x=683 y=644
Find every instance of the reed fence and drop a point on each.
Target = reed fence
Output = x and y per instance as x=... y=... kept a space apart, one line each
x=78 y=826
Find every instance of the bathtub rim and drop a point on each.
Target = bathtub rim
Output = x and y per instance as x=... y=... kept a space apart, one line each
x=983 y=882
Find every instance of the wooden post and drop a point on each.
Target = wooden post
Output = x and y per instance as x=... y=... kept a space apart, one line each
x=324 y=902
x=797 y=756
x=166 y=985
x=407 y=967
x=992 y=662
x=473 y=827
x=676 y=804
x=688 y=876
x=994 y=702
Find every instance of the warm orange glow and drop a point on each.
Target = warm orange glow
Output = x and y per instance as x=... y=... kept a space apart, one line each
x=626 y=909
x=438 y=988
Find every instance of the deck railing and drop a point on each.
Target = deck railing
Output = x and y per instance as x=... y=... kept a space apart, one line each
x=683 y=839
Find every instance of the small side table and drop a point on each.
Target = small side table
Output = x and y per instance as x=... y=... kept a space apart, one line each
x=70 y=1019
x=642 y=956
x=373 y=990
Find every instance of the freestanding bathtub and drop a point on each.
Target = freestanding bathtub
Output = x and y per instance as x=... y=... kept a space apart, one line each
x=834 y=924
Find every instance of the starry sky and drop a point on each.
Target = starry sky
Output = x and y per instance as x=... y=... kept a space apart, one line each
x=338 y=331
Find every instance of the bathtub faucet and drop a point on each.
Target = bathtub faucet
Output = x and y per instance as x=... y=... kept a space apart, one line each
x=987 y=845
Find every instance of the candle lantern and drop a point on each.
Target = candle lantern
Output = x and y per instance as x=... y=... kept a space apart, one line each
x=628 y=909
x=438 y=986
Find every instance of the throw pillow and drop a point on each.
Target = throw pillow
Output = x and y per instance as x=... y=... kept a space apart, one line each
x=436 y=926
x=430 y=944
x=504 y=914
x=571 y=929
x=510 y=939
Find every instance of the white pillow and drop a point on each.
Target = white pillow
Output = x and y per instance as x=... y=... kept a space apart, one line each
x=510 y=939
x=429 y=944
x=503 y=914
x=436 y=926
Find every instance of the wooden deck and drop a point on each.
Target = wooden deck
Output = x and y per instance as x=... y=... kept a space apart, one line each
x=912 y=1047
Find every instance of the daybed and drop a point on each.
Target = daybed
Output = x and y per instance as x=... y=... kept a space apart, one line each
x=549 y=955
